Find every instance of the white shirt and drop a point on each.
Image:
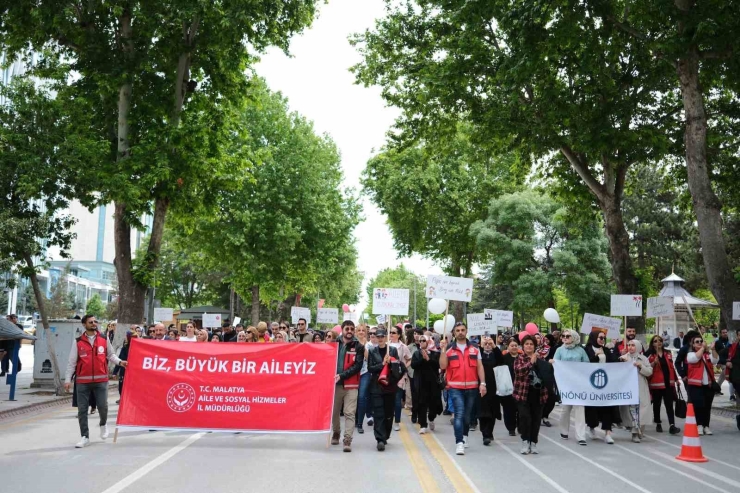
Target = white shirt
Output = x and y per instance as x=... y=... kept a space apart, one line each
x=188 y=339
x=72 y=361
x=693 y=358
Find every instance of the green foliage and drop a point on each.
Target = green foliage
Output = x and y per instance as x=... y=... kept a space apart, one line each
x=59 y=303
x=95 y=306
x=707 y=317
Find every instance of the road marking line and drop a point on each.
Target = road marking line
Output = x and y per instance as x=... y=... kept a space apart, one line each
x=151 y=465
x=693 y=467
x=679 y=447
x=539 y=473
x=417 y=462
x=596 y=464
x=460 y=481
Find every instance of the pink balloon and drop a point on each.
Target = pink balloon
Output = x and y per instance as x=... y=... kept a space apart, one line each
x=337 y=329
x=345 y=308
x=531 y=328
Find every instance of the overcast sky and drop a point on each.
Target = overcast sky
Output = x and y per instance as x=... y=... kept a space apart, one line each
x=318 y=84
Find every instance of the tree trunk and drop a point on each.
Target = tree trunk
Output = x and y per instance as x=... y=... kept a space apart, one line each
x=255 y=317
x=707 y=206
x=41 y=305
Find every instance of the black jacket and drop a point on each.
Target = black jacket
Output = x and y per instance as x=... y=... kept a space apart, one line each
x=426 y=381
x=375 y=366
x=720 y=345
x=680 y=361
x=359 y=358
x=611 y=356
x=489 y=403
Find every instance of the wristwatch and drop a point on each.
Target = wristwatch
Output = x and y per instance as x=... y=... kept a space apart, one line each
x=484 y=384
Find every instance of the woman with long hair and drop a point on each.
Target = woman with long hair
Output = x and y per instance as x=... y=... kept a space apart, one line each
x=639 y=414
x=425 y=362
x=252 y=334
x=530 y=393
x=318 y=337
x=598 y=353
x=662 y=383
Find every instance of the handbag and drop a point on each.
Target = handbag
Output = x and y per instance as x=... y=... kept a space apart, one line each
x=680 y=409
x=442 y=380
x=504 y=385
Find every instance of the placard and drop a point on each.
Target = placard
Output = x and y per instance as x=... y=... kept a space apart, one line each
x=626 y=305
x=353 y=316
x=237 y=321
x=163 y=314
x=327 y=316
x=501 y=318
x=212 y=320
x=478 y=324
x=380 y=319
x=389 y=301
x=298 y=312
x=450 y=288
x=611 y=324
x=659 y=306
x=736 y=310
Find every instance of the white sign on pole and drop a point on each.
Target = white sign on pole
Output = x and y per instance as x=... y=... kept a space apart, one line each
x=626 y=305
x=354 y=316
x=501 y=318
x=736 y=310
x=236 y=321
x=298 y=312
x=591 y=321
x=212 y=320
x=380 y=319
x=163 y=314
x=659 y=306
x=450 y=288
x=389 y=301
x=600 y=384
x=478 y=324
x=327 y=316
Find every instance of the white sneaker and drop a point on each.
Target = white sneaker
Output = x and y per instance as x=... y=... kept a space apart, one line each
x=431 y=425
x=591 y=434
x=700 y=429
x=525 y=448
x=423 y=431
x=533 y=448
x=397 y=426
x=608 y=439
x=465 y=441
x=707 y=431
x=84 y=442
x=103 y=431
x=460 y=449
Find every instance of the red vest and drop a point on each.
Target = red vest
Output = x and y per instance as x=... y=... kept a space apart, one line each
x=696 y=370
x=350 y=355
x=657 y=381
x=92 y=361
x=730 y=356
x=462 y=367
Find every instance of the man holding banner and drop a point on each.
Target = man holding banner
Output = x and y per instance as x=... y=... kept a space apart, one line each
x=347 y=380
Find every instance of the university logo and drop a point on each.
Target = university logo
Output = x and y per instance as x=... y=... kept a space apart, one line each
x=181 y=397
x=599 y=379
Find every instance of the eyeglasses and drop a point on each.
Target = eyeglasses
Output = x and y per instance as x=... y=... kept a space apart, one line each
x=566 y=337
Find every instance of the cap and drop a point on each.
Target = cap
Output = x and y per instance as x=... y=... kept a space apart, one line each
x=380 y=333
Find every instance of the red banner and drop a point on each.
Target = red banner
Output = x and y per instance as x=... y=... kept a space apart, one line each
x=229 y=386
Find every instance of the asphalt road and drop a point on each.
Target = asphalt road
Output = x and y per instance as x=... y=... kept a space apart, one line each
x=37 y=454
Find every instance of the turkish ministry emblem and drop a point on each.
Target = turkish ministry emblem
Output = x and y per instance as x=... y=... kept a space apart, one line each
x=181 y=397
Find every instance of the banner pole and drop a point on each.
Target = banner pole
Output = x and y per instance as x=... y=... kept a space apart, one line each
x=115 y=435
x=444 y=320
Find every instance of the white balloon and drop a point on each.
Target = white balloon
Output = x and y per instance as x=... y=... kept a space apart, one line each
x=437 y=306
x=552 y=316
x=438 y=327
x=352 y=308
x=449 y=322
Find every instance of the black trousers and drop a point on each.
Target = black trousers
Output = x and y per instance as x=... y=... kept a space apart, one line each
x=383 y=408
x=508 y=404
x=424 y=414
x=663 y=396
x=552 y=398
x=530 y=417
x=414 y=400
x=486 y=427
x=701 y=398
x=603 y=415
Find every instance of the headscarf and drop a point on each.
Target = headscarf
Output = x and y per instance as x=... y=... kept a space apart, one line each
x=575 y=338
x=431 y=346
x=637 y=353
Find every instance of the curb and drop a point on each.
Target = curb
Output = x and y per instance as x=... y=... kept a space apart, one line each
x=43 y=405
x=726 y=412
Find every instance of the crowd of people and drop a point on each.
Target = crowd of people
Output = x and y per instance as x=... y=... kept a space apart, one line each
x=475 y=380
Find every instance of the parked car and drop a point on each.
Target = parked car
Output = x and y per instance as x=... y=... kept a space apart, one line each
x=28 y=323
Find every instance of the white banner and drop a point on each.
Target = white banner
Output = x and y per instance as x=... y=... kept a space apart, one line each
x=237 y=321
x=450 y=288
x=594 y=384
x=387 y=301
x=660 y=306
x=380 y=319
x=354 y=316
x=736 y=310
x=478 y=324
x=212 y=320
x=626 y=305
x=501 y=318
x=591 y=321
x=163 y=314
x=327 y=316
x=298 y=312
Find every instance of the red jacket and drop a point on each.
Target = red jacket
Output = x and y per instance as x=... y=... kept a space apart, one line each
x=696 y=370
x=730 y=356
x=462 y=367
x=352 y=382
x=657 y=381
x=92 y=360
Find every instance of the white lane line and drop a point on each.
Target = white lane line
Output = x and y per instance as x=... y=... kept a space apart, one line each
x=679 y=447
x=457 y=466
x=539 y=473
x=599 y=466
x=696 y=468
x=150 y=466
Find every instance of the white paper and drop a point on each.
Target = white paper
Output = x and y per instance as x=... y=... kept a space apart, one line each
x=389 y=301
x=626 y=305
x=298 y=312
x=327 y=316
x=212 y=320
x=659 y=306
x=380 y=319
x=501 y=318
x=163 y=314
x=478 y=325
x=450 y=288
x=611 y=324
x=736 y=310
x=236 y=321
x=354 y=316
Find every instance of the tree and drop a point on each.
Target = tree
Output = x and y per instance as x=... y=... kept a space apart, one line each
x=554 y=82
x=95 y=306
x=59 y=302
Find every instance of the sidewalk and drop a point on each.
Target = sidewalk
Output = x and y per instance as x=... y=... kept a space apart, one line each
x=723 y=406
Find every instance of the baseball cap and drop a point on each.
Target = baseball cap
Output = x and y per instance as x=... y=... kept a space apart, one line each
x=381 y=333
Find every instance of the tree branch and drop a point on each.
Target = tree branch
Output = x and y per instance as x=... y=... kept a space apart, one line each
x=582 y=169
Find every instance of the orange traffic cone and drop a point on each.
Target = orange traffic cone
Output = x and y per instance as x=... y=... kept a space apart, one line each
x=691 y=448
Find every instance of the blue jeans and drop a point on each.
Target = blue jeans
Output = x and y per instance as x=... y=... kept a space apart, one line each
x=400 y=394
x=363 y=400
x=463 y=401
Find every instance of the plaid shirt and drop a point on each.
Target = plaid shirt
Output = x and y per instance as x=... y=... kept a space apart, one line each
x=522 y=367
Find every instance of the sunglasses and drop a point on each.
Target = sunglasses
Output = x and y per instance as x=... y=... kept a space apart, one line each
x=459 y=324
x=394 y=333
x=301 y=323
x=601 y=338
x=566 y=337
x=283 y=327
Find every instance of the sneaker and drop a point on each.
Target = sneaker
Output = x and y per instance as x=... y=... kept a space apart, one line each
x=546 y=423
x=370 y=422
x=103 y=431
x=563 y=437
x=525 y=448
x=700 y=429
x=533 y=448
x=460 y=449
x=335 y=438
x=423 y=431
x=582 y=442
x=347 y=445
x=446 y=413
x=381 y=446
x=431 y=425
x=465 y=441
x=84 y=442
x=487 y=441
x=397 y=427
x=512 y=433
x=591 y=434
x=360 y=430
x=732 y=397
x=707 y=431
x=2 y=374
x=609 y=440
x=118 y=401
x=659 y=428
x=635 y=438
x=674 y=430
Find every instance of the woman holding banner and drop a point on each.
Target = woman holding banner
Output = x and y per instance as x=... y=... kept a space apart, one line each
x=637 y=415
x=571 y=350
x=598 y=353
x=530 y=393
x=701 y=385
